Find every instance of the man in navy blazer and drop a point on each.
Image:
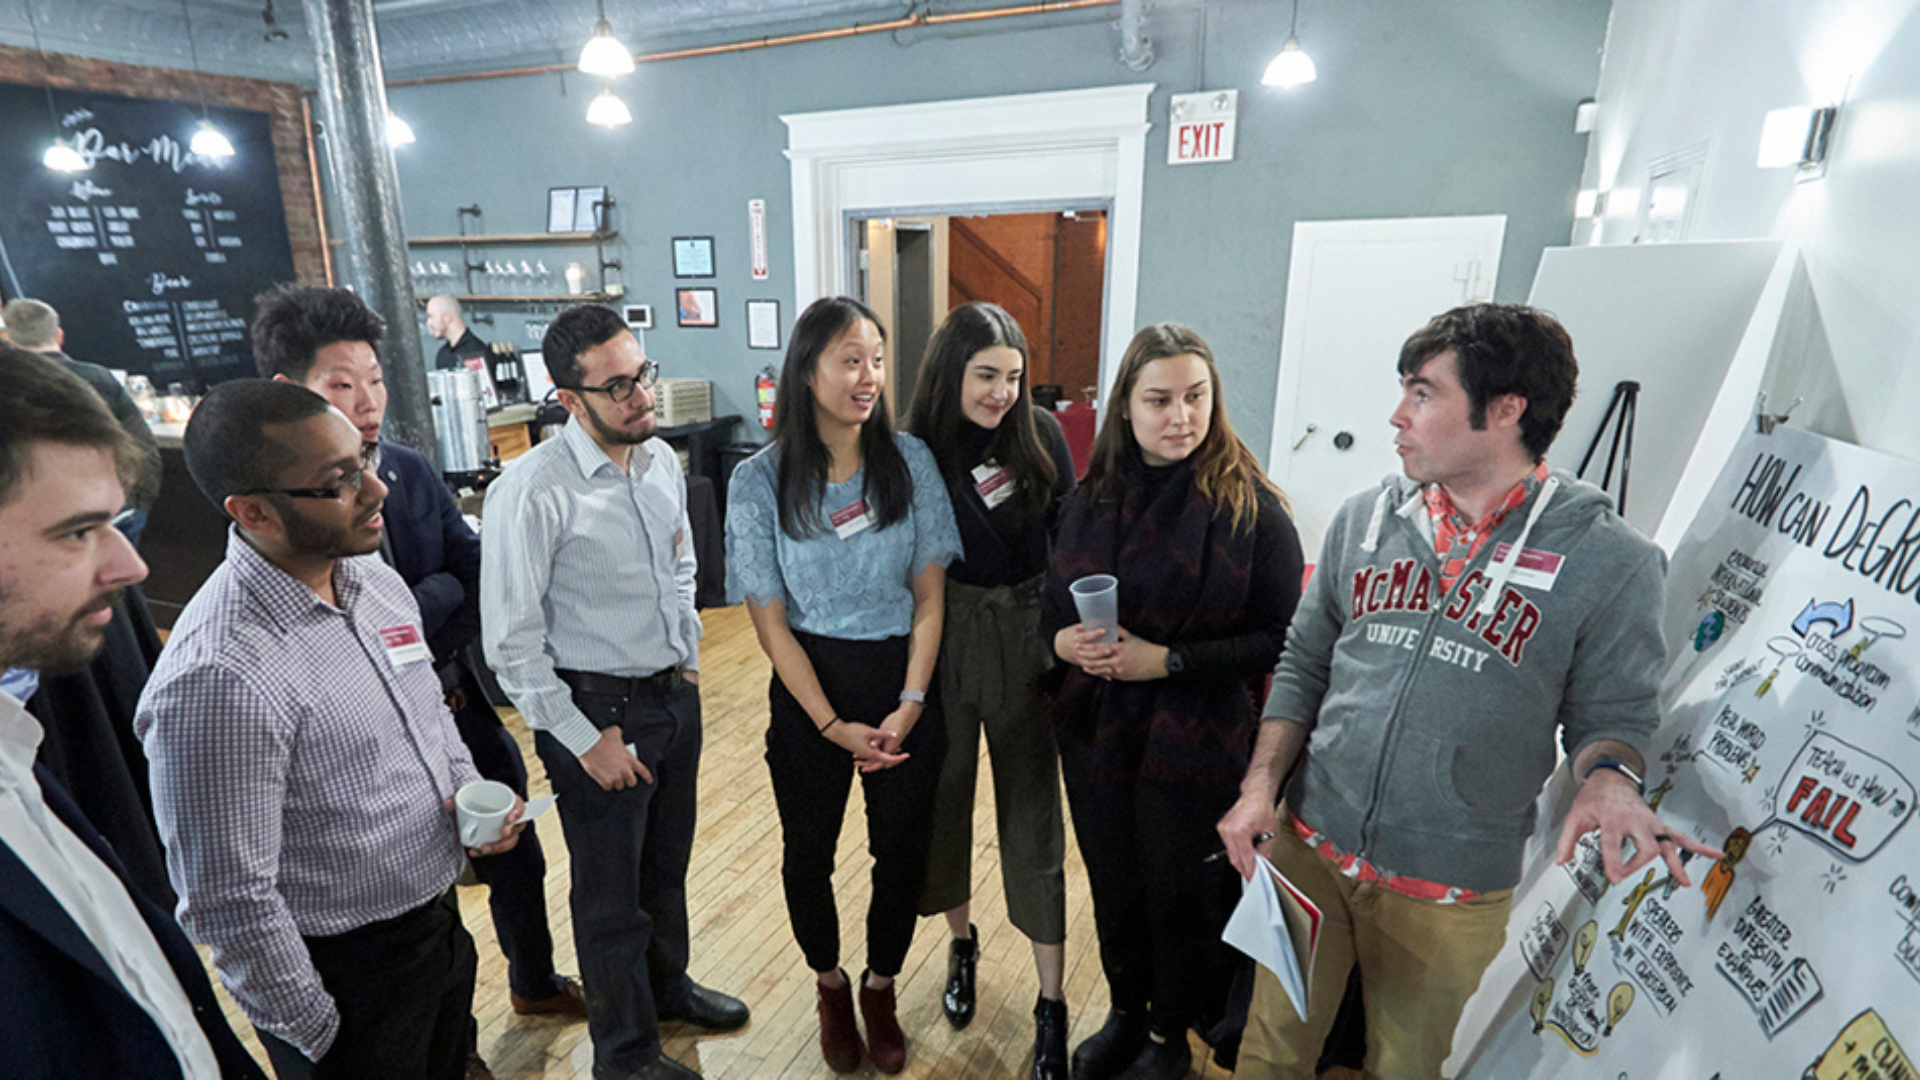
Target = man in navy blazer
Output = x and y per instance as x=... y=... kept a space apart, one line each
x=94 y=980
x=327 y=340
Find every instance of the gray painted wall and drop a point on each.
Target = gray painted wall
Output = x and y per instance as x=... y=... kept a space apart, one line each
x=1421 y=109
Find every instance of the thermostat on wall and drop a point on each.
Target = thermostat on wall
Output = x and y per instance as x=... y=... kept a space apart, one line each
x=638 y=316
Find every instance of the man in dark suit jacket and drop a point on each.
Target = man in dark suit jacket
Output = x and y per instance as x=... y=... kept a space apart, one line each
x=94 y=981
x=326 y=340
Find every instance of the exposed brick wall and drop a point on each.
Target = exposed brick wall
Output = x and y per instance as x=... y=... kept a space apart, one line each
x=280 y=101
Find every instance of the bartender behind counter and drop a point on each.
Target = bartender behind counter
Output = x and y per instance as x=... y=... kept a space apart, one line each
x=445 y=323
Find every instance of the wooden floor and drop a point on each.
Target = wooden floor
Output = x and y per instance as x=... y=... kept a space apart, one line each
x=742 y=943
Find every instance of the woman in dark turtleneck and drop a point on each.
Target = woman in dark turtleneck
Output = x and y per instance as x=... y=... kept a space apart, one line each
x=1154 y=729
x=1006 y=467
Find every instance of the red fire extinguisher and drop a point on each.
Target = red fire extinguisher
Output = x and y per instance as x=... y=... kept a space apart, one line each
x=763 y=388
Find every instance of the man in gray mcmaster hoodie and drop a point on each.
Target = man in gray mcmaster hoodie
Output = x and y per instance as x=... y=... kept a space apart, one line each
x=1458 y=617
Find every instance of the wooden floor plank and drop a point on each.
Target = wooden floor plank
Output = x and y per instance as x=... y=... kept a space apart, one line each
x=743 y=944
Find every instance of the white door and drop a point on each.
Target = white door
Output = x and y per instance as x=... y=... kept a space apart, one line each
x=1355 y=291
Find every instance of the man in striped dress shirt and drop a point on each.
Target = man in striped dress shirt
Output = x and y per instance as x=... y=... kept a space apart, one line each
x=303 y=760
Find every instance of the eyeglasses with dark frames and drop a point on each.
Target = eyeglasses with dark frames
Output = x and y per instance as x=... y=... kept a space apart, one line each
x=621 y=387
x=351 y=481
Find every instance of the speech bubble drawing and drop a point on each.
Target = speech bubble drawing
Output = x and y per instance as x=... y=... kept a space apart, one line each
x=1864 y=1050
x=1846 y=798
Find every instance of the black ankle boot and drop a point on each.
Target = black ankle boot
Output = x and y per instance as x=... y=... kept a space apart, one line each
x=1049 y=1040
x=1110 y=1050
x=962 y=964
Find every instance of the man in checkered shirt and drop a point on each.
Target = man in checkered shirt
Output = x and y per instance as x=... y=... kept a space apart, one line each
x=303 y=760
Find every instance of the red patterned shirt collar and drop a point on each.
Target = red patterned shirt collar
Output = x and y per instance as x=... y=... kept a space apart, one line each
x=1455 y=540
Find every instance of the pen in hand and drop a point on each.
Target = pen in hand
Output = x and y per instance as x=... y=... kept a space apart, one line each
x=1258 y=839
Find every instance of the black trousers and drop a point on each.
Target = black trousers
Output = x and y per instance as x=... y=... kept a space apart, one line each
x=629 y=851
x=404 y=988
x=1158 y=910
x=517 y=880
x=812 y=777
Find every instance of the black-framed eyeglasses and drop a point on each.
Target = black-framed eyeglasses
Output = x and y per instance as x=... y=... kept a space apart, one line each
x=351 y=481
x=621 y=387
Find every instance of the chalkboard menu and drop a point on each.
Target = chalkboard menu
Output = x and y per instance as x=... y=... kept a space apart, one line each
x=154 y=255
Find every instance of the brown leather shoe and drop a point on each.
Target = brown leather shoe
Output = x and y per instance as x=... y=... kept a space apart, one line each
x=477 y=1068
x=839 y=1039
x=886 y=1043
x=569 y=999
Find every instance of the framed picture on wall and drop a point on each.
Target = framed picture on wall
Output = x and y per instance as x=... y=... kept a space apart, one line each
x=697 y=307
x=560 y=204
x=589 y=209
x=763 y=324
x=693 y=256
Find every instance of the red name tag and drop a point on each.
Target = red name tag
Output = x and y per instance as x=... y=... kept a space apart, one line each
x=404 y=645
x=1534 y=568
x=851 y=518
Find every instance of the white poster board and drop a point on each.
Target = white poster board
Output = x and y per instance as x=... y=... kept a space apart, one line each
x=1791 y=738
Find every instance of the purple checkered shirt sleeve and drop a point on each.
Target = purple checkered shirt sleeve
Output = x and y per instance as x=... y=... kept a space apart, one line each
x=219 y=776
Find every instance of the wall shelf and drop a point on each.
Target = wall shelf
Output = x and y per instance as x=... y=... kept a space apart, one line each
x=525 y=298
x=467 y=242
x=479 y=239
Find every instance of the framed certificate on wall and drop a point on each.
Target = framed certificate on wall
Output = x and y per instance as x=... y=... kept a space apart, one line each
x=693 y=256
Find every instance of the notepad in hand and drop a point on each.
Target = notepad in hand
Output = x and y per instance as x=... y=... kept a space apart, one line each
x=1279 y=927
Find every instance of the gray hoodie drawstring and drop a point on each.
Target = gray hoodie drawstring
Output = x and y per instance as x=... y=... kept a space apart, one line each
x=1373 y=527
x=1503 y=568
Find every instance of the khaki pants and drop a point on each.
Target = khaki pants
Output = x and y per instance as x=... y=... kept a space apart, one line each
x=1419 y=963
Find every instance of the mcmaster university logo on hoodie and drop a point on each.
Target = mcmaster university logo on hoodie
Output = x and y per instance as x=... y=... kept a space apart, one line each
x=1407 y=586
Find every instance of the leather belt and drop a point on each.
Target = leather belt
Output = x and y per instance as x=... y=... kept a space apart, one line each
x=623 y=686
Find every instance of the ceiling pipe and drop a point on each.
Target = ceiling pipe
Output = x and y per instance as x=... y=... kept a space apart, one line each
x=909 y=22
x=1136 y=51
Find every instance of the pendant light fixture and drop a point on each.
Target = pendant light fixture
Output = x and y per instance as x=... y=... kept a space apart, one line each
x=608 y=110
x=1293 y=67
x=60 y=156
x=399 y=132
x=208 y=141
x=603 y=54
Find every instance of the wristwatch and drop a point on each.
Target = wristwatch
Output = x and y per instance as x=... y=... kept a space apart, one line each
x=1175 y=662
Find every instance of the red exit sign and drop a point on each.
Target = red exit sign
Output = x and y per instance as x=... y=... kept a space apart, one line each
x=1202 y=127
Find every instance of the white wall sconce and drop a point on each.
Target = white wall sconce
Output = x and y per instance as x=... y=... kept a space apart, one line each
x=1797 y=137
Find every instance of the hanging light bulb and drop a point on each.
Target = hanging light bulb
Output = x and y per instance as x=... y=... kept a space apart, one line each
x=399 y=132
x=208 y=142
x=1293 y=67
x=63 y=158
x=603 y=54
x=59 y=157
x=608 y=110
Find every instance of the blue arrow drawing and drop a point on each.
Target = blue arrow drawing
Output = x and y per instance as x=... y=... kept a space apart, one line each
x=1839 y=616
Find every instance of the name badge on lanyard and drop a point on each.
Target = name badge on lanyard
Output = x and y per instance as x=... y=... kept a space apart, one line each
x=852 y=519
x=404 y=645
x=993 y=484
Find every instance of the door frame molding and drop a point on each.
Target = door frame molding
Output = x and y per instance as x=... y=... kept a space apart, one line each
x=1059 y=147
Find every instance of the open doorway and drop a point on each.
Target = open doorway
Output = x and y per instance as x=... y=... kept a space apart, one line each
x=1046 y=268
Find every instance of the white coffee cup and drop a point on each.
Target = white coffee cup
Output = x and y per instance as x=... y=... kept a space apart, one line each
x=481 y=808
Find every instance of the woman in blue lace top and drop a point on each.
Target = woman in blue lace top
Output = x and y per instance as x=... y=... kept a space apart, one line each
x=838 y=539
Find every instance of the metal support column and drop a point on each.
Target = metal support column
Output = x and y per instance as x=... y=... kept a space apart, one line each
x=366 y=196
